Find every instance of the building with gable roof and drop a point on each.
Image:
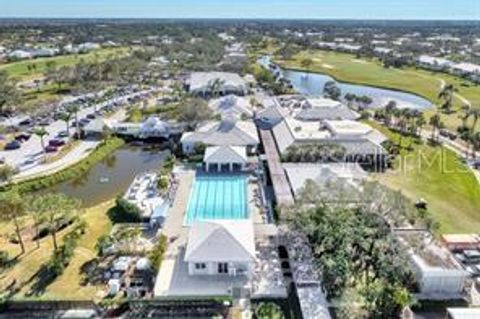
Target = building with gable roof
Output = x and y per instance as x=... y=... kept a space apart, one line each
x=221 y=247
x=228 y=132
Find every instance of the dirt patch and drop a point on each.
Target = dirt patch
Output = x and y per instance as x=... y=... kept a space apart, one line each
x=328 y=66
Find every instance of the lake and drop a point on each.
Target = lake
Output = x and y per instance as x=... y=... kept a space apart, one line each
x=112 y=175
x=313 y=84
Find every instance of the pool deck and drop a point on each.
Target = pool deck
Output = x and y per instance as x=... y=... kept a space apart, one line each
x=172 y=278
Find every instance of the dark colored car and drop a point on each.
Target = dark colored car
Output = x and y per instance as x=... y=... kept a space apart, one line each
x=91 y=116
x=56 y=142
x=13 y=145
x=51 y=149
x=22 y=137
x=27 y=122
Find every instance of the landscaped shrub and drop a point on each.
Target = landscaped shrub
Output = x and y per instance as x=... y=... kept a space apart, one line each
x=269 y=310
x=317 y=152
x=156 y=255
x=124 y=212
x=163 y=182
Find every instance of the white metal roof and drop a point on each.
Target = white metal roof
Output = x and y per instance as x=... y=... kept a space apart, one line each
x=225 y=154
x=221 y=240
x=226 y=132
x=202 y=80
x=464 y=313
x=97 y=125
x=231 y=103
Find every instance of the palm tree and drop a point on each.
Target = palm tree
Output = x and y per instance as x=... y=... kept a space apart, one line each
x=475 y=113
x=55 y=210
x=12 y=209
x=466 y=109
x=447 y=95
x=66 y=117
x=475 y=144
x=73 y=109
x=41 y=133
x=436 y=123
x=390 y=109
x=214 y=86
x=420 y=123
x=36 y=213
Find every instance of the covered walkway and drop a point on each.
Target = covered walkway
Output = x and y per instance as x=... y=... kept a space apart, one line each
x=281 y=186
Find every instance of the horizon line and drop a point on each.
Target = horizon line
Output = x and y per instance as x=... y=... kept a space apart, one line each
x=239 y=18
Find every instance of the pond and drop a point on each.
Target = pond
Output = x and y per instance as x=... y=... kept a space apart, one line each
x=313 y=84
x=112 y=175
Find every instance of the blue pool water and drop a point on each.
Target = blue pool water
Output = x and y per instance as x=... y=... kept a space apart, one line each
x=218 y=197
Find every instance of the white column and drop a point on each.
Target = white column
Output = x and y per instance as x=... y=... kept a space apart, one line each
x=219 y=167
x=207 y=164
x=231 y=167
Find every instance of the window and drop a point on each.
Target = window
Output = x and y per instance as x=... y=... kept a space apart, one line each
x=200 y=266
x=223 y=268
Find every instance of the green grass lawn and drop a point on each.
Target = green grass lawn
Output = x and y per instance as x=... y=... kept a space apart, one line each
x=346 y=68
x=20 y=69
x=67 y=286
x=437 y=175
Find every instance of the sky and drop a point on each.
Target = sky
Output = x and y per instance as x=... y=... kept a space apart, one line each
x=273 y=9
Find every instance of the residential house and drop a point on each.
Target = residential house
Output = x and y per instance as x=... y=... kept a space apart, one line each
x=19 y=55
x=433 y=63
x=467 y=70
x=220 y=247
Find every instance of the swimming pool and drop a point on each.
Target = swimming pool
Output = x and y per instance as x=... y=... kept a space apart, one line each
x=218 y=197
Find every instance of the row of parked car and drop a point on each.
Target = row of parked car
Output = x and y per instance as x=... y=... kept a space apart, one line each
x=26 y=126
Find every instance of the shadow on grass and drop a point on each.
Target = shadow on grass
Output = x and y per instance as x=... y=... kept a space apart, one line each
x=43 y=278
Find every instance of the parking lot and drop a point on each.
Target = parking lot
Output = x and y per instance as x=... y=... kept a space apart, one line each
x=29 y=155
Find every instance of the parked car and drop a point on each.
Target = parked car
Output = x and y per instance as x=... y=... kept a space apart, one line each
x=91 y=116
x=56 y=142
x=13 y=145
x=45 y=122
x=22 y=137
x=448 y=134
x=62 y=134
x=51 y=149
x=26 y=122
